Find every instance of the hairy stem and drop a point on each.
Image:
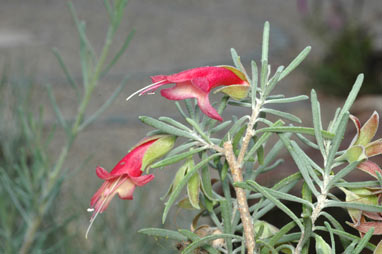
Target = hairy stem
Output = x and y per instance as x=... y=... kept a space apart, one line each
x=241 y=197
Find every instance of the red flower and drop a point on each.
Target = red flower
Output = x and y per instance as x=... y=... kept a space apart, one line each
x=127 y=174
x=198 y=82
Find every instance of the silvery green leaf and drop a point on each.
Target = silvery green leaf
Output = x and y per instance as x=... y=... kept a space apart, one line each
x=354 y=205
x=220 y=127
x=316 y=113
x=287 y=100
x=177 y=157
x=282 y=114
x=175 y=123
x=349 y=101
x=260 y=142
x=194 y=238
x=254 y=83
x=295 y=62
x=265 y=45
x=206 y=240
x=277 y=202
x=340 y=132
x=165 y=127
x=165 y=233
x=364 y=240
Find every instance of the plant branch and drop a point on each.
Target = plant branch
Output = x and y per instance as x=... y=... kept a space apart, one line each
x=241 y=197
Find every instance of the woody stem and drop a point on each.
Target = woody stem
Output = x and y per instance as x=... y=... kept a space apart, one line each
x=241 y=197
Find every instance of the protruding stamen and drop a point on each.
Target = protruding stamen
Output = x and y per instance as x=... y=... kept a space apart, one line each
x=89 y=210
x=143 y=89
x=92 y=219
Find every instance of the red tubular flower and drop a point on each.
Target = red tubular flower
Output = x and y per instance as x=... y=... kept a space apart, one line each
x=127 y=174
x=198 y=82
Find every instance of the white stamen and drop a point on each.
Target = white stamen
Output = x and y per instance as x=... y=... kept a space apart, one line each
x=142 y=89
x=95 y=216
x=89 y=210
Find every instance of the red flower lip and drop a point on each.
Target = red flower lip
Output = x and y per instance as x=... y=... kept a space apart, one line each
x=127 y=173
x=197 y=83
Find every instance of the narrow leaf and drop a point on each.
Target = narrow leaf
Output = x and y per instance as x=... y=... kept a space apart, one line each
x=264 y=51
x=281 y=114
x=175 y=123
x=205 y=240
x=349 y=101
x=295 y=62
x=254 y=83
x=165 y=233
x=340 y=132
x=364 y=240
x=165 y=127
x=342 y=173
x=261 y=141
x=104 y=106
x=275 y=201
x=316 y=113
x=293 y=129
x=287 y=100
x=177 y=157
x=121 y=51
x=194 y=238
x=68 y=76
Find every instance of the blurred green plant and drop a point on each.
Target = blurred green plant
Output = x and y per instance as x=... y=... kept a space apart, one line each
x=31 y=178
x=350 y=52
x=349 y=47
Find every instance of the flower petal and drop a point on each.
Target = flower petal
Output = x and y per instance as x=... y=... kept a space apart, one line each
x=186 y=91
x=209 y=77
x=357 y=124
x=132 y=162
x=363 y=227
x=101 y=199
x=373 y=216
x=368 y=130
x=126 y=189
x=369 y=167
x=103 y=174
x=374 y=148
x=142 y=180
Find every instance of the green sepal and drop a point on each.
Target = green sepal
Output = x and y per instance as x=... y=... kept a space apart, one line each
x=268 y=229
x=193 y=188
x=236 y=92
x=177 y=179
x=355 y=153
x=185 y=204
x=378 y=249
x=224 y=170
x=158 y=149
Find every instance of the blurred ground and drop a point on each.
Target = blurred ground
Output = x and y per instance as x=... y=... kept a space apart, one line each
x=171 y=35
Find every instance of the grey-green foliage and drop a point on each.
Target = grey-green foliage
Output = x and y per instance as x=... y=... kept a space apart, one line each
x=31 y=176
x=318 y=192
